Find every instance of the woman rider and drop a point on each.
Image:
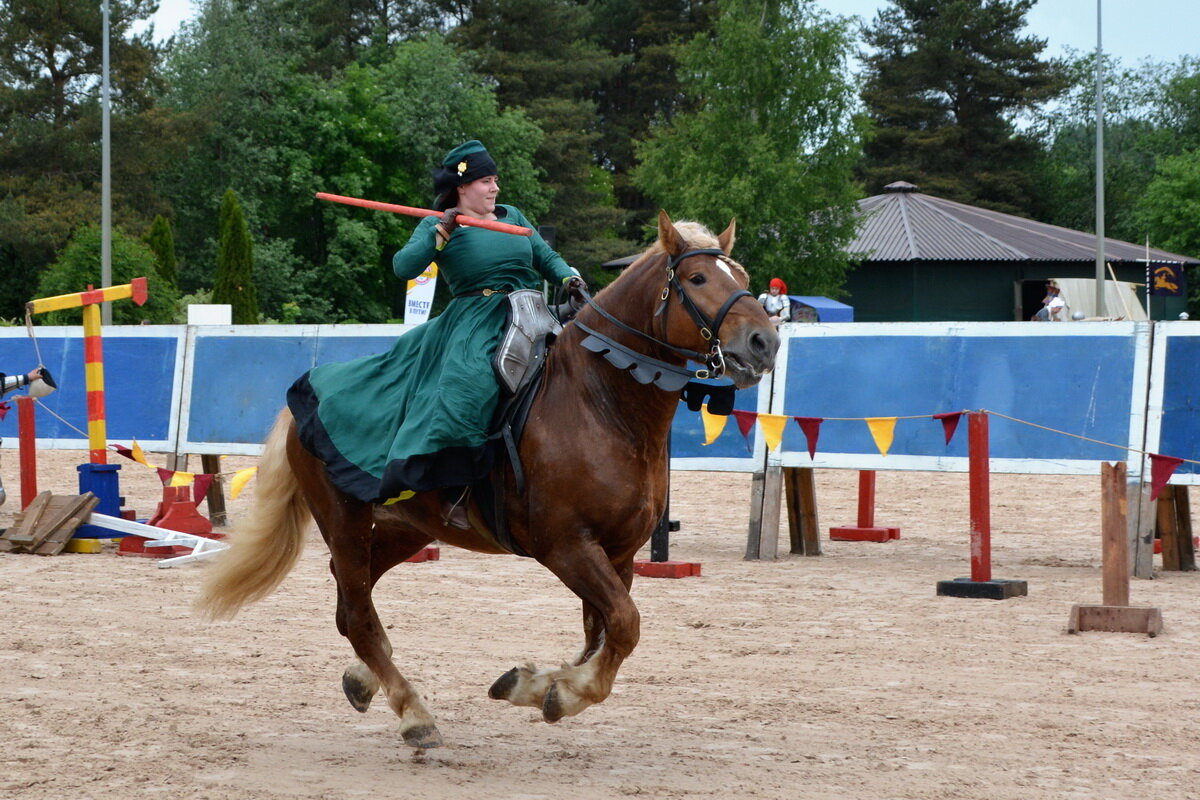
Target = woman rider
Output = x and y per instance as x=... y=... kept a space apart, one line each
x=416 y=418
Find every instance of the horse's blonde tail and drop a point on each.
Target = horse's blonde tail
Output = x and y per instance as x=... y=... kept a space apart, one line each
x=266 y=546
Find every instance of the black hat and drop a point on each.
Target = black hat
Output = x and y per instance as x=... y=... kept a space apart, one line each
x=465 y=163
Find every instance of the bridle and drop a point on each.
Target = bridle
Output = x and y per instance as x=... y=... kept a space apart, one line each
x=714 y=359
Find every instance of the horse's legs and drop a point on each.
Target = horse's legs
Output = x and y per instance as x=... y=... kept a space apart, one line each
x=390 y=546
x=612 y=627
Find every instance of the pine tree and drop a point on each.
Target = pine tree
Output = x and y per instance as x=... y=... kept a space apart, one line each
x=161 y=240
x=234 y=280
x=944 y=83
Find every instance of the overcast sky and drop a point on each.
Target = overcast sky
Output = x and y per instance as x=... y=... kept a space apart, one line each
x=1133 y=29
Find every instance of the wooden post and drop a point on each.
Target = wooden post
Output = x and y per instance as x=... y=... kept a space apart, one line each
x=1115 y=614
x=211 y=465
x=1175 y=529
x=1115 y=550
x=754 y=535
x=981 y=504
x=803 y=526
x=772 y=502
x=27 y=447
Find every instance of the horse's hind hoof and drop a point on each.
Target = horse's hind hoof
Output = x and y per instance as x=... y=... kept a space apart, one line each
x=504 y=685
x=359 y=695
x=552 y=710
x=423 y=737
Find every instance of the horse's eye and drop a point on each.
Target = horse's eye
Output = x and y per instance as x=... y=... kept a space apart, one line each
x=698 y=280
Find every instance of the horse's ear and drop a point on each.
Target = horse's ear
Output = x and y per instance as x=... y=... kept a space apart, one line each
x=668 y=236
x=727 y=237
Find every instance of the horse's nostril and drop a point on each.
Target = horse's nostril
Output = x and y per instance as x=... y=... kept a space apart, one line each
x=758 y=344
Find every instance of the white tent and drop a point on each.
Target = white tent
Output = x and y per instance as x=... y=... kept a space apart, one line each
x=1120 y=299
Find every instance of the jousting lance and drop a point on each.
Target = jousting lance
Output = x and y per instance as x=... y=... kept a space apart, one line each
x=463 y=219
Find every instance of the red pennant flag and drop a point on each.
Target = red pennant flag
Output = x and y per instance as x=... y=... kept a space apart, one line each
x=200 y=487
x=124 y=451
x=812 y=430
x=3 y=411
x=745 y=421
x=165 y=475
x=949 y=423
x=1161 y=469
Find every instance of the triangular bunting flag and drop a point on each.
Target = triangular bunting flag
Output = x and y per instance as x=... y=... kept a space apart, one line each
x=1161 y=469
x=882 y=430
x=123 y=451
x=137 y=455
x=713 y=424
x=772 y=427
x=812 y=430
x=182 y=479
x=164 y=475
x=202 y=484
x=240 y=479
x=949 y=423
x=3 y=410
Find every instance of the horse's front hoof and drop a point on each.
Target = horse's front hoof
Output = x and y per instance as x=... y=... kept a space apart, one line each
x=423 y=737
x=552 y=708
x=359 y=694
x=504 y=685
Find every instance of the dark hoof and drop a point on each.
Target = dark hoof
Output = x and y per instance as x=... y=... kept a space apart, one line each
x=359 y=696
x=504 y=685
x=423 y=737
x=552 y=710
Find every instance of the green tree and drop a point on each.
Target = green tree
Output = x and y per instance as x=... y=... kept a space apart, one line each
x=50 y=63
x=544 y=59
x=1168 y=211
x=161 y=241
x=944 y=83
x=79 y=267
x=773 y=141
x=646 y=35
x=234 y=283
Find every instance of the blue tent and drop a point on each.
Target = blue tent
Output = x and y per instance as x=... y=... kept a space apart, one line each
x=806 y=308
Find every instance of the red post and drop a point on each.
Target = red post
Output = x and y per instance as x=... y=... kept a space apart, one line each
x=981 y=510
x=27 y=448
x=866 y=498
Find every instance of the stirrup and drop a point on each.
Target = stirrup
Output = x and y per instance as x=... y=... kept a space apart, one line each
x=455 y=516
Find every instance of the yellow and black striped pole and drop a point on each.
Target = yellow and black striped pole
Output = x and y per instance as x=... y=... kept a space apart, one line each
x=93 y=349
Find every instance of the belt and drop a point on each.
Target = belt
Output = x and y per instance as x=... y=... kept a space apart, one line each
x=482 y=293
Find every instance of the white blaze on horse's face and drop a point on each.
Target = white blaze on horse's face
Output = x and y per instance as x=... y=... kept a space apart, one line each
x=725 y=267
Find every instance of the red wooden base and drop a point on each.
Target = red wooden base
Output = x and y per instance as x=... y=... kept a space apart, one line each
x=854 y=533
x=430 y=552
x=1158 y=544
x=666 y=569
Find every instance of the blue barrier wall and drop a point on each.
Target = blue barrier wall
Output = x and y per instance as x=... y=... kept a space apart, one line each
x=1174 y=397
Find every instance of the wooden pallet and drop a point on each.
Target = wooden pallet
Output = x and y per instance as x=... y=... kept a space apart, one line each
x=47 y=524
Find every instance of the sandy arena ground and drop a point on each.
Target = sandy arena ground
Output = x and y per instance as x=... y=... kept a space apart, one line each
x=842 y=676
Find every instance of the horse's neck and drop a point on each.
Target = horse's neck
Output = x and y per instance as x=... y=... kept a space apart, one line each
x=642 y=411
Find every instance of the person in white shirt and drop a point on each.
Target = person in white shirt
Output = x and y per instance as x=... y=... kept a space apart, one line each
x=776 y=303
x=1053 y=305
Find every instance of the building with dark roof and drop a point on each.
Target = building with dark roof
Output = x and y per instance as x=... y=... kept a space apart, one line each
x=925 y=258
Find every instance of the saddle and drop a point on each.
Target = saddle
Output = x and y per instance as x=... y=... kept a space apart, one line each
x=530 y=331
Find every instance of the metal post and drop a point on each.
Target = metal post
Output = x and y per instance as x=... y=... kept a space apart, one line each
x=105 y=181
x=1100 y=310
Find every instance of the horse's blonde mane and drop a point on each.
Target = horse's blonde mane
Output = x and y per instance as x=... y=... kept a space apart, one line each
x=697 y=235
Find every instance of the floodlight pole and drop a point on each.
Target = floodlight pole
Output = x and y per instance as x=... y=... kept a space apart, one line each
x=105 y=180
x=1100 y=310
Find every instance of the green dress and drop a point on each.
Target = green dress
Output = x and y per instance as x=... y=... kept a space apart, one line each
x=417 y=416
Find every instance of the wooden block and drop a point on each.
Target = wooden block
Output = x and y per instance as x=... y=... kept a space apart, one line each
x=666 y=569
x=75 y=512
x=429 y=552
x=83 y=546
x=1116 y=619
x=853 y=533
x=20 y=537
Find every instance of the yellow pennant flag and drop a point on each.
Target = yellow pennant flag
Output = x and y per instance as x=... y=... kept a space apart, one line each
x=240 y=479
x=138 y=455
x=182 y=479
x=882 y=429
x=713 y=424
x=772 y=428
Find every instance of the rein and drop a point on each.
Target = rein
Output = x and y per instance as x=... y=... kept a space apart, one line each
x=646 y=369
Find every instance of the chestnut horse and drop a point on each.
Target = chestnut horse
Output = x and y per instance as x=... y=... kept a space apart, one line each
x=594 y=453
